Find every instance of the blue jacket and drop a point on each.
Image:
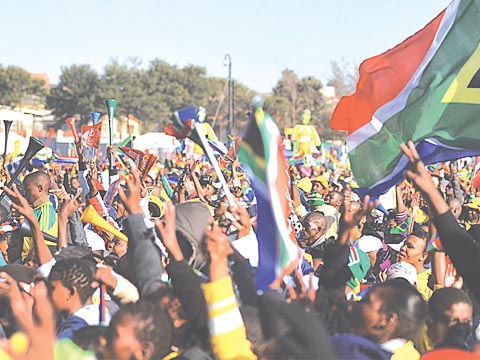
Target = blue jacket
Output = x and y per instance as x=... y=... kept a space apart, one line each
x=68 y=326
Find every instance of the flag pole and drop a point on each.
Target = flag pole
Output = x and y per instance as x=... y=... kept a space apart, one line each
x=213 y=161
x=111 y=105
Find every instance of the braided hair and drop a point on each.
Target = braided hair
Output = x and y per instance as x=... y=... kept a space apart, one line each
x=75 y=273
x=152 y=326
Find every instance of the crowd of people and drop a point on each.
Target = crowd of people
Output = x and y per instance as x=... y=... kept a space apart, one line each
x=101 y=263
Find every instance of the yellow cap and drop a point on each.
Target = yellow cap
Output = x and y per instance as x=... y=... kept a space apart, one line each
x=305 y=184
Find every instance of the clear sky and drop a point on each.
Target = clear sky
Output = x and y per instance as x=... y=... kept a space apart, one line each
x=263 y=37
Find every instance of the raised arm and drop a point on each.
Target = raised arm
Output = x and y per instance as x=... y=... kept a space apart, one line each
x=20 y=204
x=458 y=244
x=141 y=248
x=352 y=217
x=185 y=282
x=227 y=331
x=67 y=209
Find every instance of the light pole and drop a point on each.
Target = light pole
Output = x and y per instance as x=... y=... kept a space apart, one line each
x=227 y=61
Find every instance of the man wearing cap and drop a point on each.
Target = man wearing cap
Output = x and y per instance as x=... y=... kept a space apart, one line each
x=300 y=191
x=320 y=185
x=473 y=214
x=315 y=201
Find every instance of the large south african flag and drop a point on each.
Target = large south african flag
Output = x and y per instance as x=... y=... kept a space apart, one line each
x=426 y=89
x=261 y=153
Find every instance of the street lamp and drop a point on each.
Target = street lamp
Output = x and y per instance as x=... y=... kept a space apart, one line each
x=227 y=61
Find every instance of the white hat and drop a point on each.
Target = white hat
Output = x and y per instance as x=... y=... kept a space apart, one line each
x=94 y=241
x=398 y=246
x=368 y=243
x=402 y=270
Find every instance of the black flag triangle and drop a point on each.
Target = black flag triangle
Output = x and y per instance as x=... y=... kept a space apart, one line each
x=465 y=88
x=475 y=83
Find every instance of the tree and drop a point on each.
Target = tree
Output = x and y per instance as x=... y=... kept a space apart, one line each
x=217 y=100
x=243 y=104
x=344 y=77
x=16 y=84
x=169 y=89
x=77 y=94
x=287 y=87
x=291 y=96
x=125 y=83
x=154 y=92
x=310 y=95
x=280 y=109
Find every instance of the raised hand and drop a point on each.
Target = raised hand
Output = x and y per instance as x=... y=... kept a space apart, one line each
x=70 y=206
x=104 y=274
x=300 y=292
x=242 y=218
x=218 y=245
x=451 y=277
x=92 y=178
x=236 y=164
x=60 y=193
x=416 y=171
x=275 y=285
x=293 y=172
x=143 y=190
x=166 y=232
x=219 y=249
x=131 y=196
x=422 y=180
x=80 y=153
x=352 y=216
x=38 y=326
x=20 y=204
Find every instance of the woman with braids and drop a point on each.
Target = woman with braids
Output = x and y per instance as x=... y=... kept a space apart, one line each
x=140 y=331
x=71 y=292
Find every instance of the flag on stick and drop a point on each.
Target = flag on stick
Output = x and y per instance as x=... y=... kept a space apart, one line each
x=127 y=142
x=91 y=135
x=143 y=161
x=183 y=125
x=261 y=154
x=426 y=89
x=232 y=153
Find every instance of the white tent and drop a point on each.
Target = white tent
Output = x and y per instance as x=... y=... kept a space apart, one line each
x=154 y=142
x=12 y=137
